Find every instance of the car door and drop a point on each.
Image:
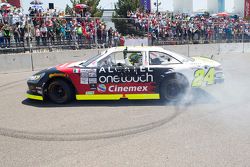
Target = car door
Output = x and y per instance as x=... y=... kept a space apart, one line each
x=125 y=75
x=162 y=64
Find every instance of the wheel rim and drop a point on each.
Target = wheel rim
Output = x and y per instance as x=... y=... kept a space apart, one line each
x=58 y=92
x=173 y=90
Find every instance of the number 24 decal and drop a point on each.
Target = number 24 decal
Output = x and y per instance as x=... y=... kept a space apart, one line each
x=200 y=77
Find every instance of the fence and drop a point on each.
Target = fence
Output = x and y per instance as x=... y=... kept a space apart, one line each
x=66 y=33
x=37 y=61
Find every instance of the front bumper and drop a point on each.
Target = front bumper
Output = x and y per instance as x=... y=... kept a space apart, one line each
x=33 y=96
x=35 y=91
x=219 y=80
x=219 y=77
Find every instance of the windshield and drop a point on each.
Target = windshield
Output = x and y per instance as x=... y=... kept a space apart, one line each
x=89 y=61
x=181 y=57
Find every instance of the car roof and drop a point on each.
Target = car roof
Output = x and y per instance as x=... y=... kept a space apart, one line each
x=145 y=49
x=137 y=48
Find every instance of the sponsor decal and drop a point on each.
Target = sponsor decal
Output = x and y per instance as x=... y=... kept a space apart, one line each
x=126 y=69
x=92 y=80
x=122 y=88
x=84 y=80
x=90 y=93
x=76 y=71
x=57 y=75
x=114 y=88
x=124 y=79
x=127 y=75
x=84 y=75
x=101 y=88
x=93 y=86
x=39 y=92
x=84 y=70
x=88 y=76
x=91 y=74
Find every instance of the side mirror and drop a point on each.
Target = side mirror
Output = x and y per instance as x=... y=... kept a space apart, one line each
x=125 y=51
x=119 y=64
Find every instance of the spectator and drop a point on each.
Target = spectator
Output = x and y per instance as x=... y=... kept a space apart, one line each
x=43 y=31
x=1 y=18
x=116 y=38
x=110 y=35
x=17 y=33
x=50 y=35
x=38 y=35
x=104 y=35
x=122 y=40
x=28 y=34
x=79 y=34
x=7 y=34
x=99 y=35
x=1 y=38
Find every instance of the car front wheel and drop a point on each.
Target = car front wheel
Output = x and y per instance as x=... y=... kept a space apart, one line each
x=60 y=92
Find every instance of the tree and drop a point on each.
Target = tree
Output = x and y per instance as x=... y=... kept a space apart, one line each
x=93 y=6
x=125 y=26
x=68 y=10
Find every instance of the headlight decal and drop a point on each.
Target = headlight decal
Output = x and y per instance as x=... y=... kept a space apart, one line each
x=36 y=77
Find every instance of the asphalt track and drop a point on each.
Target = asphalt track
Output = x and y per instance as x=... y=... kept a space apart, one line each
x=210 y=127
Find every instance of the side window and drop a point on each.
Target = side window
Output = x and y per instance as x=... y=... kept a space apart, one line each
x=134 y=59
x=160 y=58
x=119 y=59
x=106 y=62
x=113 y=59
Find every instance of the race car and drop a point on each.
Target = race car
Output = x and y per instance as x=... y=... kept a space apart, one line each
x=133 y=73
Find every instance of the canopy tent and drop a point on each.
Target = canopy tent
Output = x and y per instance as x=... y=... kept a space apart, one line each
x=5 y=6
x=37 y=7
x=36 y=2
x=223 y=14
x=81 y=6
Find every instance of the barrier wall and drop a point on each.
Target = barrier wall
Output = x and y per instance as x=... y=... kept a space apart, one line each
x=23 y=62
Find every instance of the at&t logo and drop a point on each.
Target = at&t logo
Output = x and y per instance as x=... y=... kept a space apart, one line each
x=101 y=88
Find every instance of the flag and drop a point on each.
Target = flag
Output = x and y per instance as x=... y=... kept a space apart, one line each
x=247 y=9
x=146 y=4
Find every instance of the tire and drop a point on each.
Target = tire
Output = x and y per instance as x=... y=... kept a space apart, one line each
x=173 y=89
x=60 y=92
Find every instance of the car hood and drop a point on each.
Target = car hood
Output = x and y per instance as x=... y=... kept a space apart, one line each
x=69 y=65
x=203 y=61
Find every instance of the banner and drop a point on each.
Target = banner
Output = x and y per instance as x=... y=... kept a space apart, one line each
x=146 y=4
x=221 y=6
x=247 y=9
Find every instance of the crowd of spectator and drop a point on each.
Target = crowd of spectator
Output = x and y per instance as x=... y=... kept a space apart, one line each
x=53 y=28
x=183 y=28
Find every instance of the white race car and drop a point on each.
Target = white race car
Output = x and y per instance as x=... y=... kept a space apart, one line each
x=141 y=72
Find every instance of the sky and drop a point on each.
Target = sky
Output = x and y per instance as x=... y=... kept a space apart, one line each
x=166 y=4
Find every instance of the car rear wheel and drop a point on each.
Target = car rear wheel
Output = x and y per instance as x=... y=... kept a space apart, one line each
x=60 y=92
x=173 y=89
